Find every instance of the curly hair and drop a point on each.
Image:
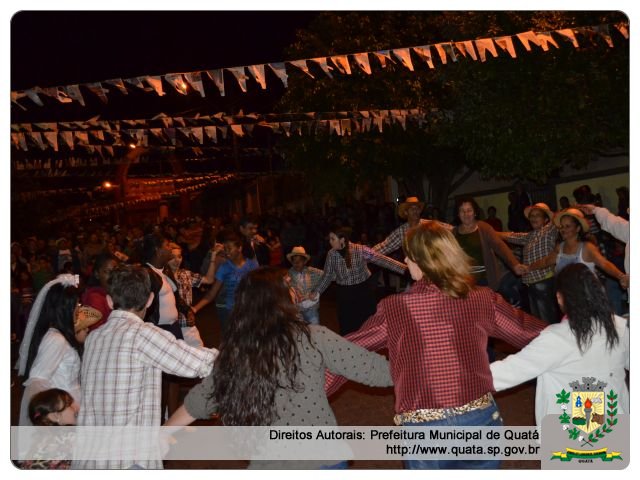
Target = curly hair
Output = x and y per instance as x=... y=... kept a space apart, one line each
x=442 y=261
x=585 y=303
x=259 y=353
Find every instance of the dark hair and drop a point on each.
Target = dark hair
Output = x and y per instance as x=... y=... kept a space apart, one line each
x=586 y=305
x=583 y=194
x=129 y=287
x=582 y=235
x=344 y=233
x=98 y=263
x=150 y=245
x=259 y=353
x=466 y=199
x=232 y=236
x=56 y=312
x=49 y=401
x=247 y=219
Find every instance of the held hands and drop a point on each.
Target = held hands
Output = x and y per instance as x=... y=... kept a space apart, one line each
x=586 y=209
x=521 y=269
x=624 y=281
x=191 y=318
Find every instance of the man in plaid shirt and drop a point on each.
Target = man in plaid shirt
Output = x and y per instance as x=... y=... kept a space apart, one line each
x=538 y=243
x=410 y=210
x=123 y=362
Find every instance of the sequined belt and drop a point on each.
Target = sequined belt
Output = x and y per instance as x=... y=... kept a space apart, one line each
x=432 y=414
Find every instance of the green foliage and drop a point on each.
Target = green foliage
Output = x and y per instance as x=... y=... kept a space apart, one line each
x=511 y=118
x=574 y=433
x=564 y=418
x=563 y=397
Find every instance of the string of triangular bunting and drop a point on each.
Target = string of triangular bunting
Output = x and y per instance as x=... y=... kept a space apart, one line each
x=103 y=135
x=185 y=82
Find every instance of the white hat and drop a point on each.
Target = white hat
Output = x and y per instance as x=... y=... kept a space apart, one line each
x=298 y=252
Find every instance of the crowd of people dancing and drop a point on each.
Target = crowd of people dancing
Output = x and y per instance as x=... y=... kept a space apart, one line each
x=105 y=317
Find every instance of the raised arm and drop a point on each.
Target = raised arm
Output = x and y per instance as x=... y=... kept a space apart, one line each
x=370 y=255
x=209 y=278
x=592 y=254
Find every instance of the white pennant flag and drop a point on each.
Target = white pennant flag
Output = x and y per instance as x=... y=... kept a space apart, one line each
x=404 y=56
x=211 y=134
x=237 y=130
x=119 y=84
x=67 y=137
x=322 y=62
x=223 y=132
x=334 y=126
x=286 y=128
x=302 y=65
x=22 y=141
x=383 y=57
x=569 y=35
x=82 y=138
x=108 y=149
x=257 y=72
x=604 y=32
x=345 y=126
x=281 y=72
x=195 y=80
x=506 y=44
x=217 y=77
x=342 y=64
x=198 y=134
x=424 y=53
x=241 y=77
x=97 y=90
x=33 y=96
x=623 y=28
x=52 y=139
x=448 y=47
x=441 y=53
x=36 y=137
x=362 y=60
x=545 y=39
x=155 y=82
x=176 y=80
x=483 y=45
x=527 y=37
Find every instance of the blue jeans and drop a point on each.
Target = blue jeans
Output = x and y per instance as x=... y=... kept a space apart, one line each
x=542 y=300
x=486 y=417
x=311 y=316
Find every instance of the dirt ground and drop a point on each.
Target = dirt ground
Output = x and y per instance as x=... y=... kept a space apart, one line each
x=354 y=404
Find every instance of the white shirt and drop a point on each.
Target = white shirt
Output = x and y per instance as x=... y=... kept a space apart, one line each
x=554 y=358
x=57 y=365
x=168 y=309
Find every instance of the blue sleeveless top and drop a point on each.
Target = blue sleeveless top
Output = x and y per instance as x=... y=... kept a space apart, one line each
x=565 y=259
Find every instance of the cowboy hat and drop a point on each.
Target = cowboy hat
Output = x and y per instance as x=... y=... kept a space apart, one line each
x=84 y=317
x=575 y=213
x=409 y=202
x=539 y=206
x=298 y=252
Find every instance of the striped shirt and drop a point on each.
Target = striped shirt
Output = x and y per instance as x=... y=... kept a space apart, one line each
x=537 y=244
x=394 y=241
x=121 y=376
x=438 y=344
x=186 y=281
x=335 y=267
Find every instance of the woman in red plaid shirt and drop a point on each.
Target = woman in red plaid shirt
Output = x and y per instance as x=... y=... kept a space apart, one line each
x=436 y=334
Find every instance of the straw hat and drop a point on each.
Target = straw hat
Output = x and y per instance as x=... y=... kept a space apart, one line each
x=539 y=206
x=85 y=316
x=410 y=201
x=575 y=213
x=298 y=252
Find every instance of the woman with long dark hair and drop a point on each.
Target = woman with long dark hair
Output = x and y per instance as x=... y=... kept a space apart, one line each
x=51 y=350
x=346 y=263
x=590 y=341
x=271 y=367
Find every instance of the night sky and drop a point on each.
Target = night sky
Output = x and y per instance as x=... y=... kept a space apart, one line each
x=60 y=48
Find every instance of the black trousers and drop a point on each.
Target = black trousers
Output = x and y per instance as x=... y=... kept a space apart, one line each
x=356 y=303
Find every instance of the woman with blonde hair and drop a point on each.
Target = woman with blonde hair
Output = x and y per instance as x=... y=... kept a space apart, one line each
x=436 y=334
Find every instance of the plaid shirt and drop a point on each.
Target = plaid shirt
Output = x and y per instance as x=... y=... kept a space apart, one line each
x=537 y=244
x=394 y=241
x=335 y=268
x=122 y=372
x=438 y=345
x=305 y=282
x=186 y=281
